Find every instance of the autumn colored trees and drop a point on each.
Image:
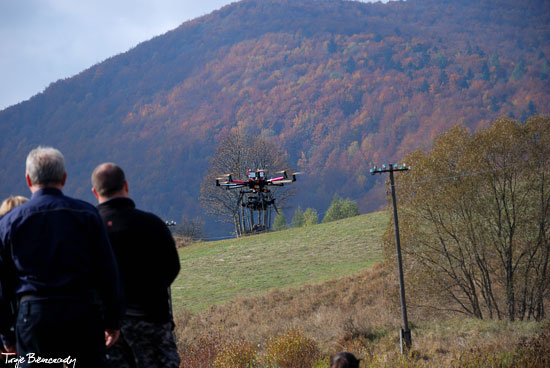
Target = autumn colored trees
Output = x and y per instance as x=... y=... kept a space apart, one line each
x=338 y=85
x=475 y=219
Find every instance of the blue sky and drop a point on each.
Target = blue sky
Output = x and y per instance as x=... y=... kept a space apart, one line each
x=43 y=41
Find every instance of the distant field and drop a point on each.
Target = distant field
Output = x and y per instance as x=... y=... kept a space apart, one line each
x=216 y=272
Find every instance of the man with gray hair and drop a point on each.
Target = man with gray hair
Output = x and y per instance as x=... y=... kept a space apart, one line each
x=58 y=269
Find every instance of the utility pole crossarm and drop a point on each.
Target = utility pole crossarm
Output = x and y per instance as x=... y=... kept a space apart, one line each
x=405 y=333
x=389 y=168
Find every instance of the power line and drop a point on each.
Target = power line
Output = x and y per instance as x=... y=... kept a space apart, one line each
x=447 y=178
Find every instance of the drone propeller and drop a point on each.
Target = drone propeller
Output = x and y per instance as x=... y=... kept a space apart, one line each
x=224 y=179
x=288 y=173
x=226 y=175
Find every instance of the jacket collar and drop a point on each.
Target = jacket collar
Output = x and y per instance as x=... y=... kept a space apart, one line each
x=47 y=191
x=118 y=202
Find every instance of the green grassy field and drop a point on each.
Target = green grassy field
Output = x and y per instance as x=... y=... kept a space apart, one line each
x=216 y=272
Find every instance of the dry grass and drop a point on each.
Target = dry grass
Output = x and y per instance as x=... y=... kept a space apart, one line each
x=182 y=240
x=359 y=314
x=336 y=309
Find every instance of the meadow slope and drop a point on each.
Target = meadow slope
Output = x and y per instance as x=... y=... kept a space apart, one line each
x=216 y=272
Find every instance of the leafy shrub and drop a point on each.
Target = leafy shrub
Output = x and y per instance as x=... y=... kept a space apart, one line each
x=481 y=358
x=311 y=217
x=322 y=363
x=533 y=352
x=341 y=208
x=291 y=349
x=202 y=353
x=298 y=219
x=280 y=222
x=236 y=355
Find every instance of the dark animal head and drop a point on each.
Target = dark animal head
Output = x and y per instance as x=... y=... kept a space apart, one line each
x=344 y=360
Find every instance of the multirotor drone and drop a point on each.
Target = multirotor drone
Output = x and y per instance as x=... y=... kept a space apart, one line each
x=257 y=180
x=255 y=195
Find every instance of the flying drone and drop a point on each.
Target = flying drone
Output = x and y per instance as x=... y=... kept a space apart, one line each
x=255 y=194
x=257 y=180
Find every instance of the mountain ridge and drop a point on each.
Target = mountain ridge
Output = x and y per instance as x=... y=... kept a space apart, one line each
x=339 y=85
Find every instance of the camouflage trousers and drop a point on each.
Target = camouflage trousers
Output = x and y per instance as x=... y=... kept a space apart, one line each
x=144 y=345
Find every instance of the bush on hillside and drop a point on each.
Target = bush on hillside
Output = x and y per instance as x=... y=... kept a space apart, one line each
x=201 y=353
x=292 y=349
x=190 y=227
x=533 y=352
x=240 y=354
x=341 y=208
x=311 y=217
x=298 y=219
x=280 y=222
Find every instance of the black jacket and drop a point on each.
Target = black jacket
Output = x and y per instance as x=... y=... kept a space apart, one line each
x=147 y=258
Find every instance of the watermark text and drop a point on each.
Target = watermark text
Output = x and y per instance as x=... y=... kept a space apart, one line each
x=12 y=358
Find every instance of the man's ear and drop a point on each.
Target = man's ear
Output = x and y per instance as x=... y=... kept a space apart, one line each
x=95 y=193
x=64 y=179
x=28 y=179
x=126 y=187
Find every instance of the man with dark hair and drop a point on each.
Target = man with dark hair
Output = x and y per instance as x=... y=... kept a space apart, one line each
x=344 y=360
x=108 y=179
x=58 y=271
x=149 y=263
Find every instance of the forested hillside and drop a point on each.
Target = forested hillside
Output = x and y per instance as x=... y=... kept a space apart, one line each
x=340 y=85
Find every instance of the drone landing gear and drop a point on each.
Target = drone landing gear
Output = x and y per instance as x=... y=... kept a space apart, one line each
x=258 y=218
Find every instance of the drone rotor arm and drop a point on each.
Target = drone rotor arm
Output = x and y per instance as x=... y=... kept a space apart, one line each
x=231 y=185
x=284 y=181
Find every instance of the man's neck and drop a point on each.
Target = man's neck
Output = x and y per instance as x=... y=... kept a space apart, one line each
x=36 y=188
x=102 y=199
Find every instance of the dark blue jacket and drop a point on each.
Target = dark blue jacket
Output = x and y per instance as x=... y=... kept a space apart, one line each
x=55 y=246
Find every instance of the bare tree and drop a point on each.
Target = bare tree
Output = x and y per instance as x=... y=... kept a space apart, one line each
x=237 y=153
x=191 y=228
x=475 y=216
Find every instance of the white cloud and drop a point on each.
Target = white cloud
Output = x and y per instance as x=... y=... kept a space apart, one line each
x=46 y=40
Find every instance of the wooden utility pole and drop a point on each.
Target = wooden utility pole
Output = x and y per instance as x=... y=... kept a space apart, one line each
x=405 y=334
